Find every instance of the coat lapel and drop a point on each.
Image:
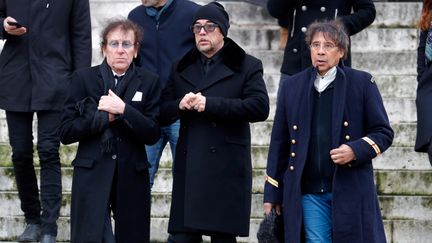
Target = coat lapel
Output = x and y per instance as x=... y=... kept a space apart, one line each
x=338 y=105
x=217 y=73
x=192 y=74
x=134 y=83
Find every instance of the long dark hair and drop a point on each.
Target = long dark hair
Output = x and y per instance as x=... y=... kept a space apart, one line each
x=426 y=15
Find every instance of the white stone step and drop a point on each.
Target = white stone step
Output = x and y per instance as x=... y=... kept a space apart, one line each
x=396 y=157
x=399 y=110
x=392 y=207
x=397 y=14
x=377 y=63
x=397 y=231
x=415 y=183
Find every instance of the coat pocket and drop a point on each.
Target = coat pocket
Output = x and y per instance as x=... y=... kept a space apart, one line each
x=84 y=163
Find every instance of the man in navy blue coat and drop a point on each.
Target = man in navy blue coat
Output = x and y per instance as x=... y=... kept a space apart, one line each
x=166 y=24
x=330 y=123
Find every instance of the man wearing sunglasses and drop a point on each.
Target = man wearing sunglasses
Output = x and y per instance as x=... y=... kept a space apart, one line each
x=162 y=22
x=215 y=90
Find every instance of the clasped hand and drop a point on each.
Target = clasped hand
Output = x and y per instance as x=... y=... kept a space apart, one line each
x=193 y=101
x=112 y=104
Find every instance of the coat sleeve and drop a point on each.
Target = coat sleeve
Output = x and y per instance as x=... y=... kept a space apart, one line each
x=363 y=15
x=421 y=56
x=252 y=106
x=379 y=134
x=142 y=125
x=79 y=113
x=279 y=8
x=170 y=111
x=3 y=15
x=80 y=28
x=278 y=155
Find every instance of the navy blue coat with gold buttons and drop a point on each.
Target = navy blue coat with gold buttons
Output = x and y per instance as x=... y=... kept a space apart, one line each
x=361 y=122
x=354 y=14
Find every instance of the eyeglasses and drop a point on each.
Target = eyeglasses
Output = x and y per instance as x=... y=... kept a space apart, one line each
x=209 y=27
x=124 y=44
x=327 y=46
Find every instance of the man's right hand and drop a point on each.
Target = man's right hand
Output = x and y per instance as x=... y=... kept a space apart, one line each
x=187 y=101
x=268 y=207
x=13 y=30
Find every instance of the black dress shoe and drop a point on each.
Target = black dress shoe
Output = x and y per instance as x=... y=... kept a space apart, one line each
x=31 y=233
x=48 y=239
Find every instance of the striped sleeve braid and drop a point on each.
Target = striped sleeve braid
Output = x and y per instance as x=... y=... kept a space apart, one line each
x=373 y=145
x=272 y=181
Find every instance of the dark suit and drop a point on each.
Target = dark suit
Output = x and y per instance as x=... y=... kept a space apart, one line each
x=212 y=169
x=117 y=179
x=34 y=71
x=300 y=14
x=358 y=120
x=424 y=98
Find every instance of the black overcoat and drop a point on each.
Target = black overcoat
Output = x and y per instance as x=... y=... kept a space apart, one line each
x=94 y=170
x=36 y=67
x=424 y=98
x=212 y=168
x=359 y=120
x=299 y=14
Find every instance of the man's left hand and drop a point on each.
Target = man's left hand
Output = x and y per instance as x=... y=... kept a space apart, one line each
x=112 y=104
x=199 y=103
x=342 y=155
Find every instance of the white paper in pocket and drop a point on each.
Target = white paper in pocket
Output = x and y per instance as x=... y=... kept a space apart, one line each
x=137 y=96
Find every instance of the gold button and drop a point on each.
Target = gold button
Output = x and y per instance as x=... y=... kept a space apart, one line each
x=345 y=123
x=295 y=128
x=293 y=141
x=347 y=137
x=291 y=167
x=293 y=154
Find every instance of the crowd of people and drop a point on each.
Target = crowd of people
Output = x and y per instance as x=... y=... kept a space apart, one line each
x=170 y=74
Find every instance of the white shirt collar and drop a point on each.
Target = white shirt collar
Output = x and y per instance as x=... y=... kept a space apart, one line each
x=116 y=74
x=322 y=82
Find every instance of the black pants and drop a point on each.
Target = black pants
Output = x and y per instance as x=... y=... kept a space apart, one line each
x=197 y=238
x=21 y=140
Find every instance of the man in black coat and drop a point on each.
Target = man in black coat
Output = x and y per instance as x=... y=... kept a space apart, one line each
x=46 y=42
x=354 y=14
x=216 y=90
x=112 y=111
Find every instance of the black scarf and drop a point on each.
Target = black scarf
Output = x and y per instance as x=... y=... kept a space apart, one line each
x=107 y=138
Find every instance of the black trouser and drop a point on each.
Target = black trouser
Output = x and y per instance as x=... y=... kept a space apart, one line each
x=21 y=140
x=197 y=238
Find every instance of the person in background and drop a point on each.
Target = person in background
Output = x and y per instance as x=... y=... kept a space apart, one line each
x=45 y=42
x=330 y=123
x=355 y=15
x=424 y=86
x=215 y=90
x=168 y=37
x=112 y=112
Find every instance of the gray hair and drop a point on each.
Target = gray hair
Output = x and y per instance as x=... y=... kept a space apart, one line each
x=332 y=30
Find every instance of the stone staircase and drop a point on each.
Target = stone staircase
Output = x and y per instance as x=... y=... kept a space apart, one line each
x=387 y=49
